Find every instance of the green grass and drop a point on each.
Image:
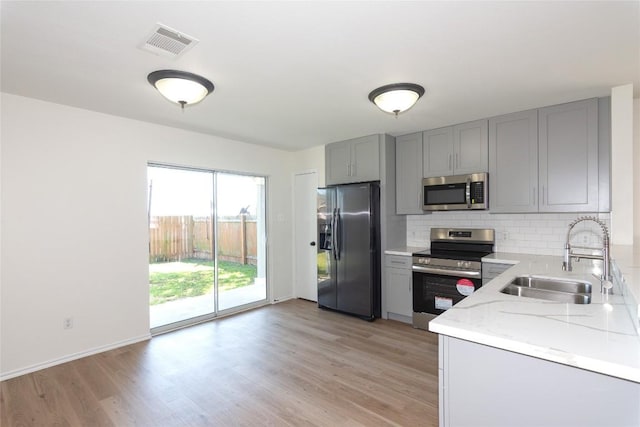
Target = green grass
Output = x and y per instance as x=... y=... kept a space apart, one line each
x=190 y=278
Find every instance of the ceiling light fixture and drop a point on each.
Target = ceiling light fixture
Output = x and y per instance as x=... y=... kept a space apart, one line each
x=396 y=98
x=180 y=87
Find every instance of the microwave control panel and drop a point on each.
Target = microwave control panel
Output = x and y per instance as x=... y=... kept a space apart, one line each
x=477 y=192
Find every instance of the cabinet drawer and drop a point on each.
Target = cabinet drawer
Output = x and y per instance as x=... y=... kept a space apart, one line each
x=398 y=261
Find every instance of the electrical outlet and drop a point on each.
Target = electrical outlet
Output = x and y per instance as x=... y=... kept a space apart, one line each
x=585 y=239
x=67 y=323
x=505 y=235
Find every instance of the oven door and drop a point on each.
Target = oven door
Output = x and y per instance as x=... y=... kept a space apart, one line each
x=436 y=290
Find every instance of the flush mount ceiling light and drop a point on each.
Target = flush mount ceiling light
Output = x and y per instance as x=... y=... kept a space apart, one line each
x=180 y=87
x=396 y=98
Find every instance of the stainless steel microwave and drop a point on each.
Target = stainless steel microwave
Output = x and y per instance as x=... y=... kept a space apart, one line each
x=457 y=192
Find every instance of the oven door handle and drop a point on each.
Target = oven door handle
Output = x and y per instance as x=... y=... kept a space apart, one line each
x=444 y=272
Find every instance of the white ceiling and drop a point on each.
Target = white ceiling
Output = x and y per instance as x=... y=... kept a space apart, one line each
x=297 y=74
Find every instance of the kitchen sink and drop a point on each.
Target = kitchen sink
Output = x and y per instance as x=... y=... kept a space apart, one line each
x=551 y=289
x=552 y=284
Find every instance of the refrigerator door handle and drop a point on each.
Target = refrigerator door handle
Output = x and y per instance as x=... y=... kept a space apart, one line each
x=333 y=235
x=338 y=233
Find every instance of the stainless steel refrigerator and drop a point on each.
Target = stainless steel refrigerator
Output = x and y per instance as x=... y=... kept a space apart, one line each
x=349 y=249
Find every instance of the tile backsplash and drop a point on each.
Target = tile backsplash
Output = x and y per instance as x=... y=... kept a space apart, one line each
x=542 y=234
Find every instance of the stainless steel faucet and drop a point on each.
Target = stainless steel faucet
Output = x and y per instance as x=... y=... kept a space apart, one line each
x=606 y=260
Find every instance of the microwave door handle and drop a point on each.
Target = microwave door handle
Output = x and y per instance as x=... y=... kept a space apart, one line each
x=467 y=193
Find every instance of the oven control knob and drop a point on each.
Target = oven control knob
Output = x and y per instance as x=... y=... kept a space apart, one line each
x=427 y=260
x=460 y=263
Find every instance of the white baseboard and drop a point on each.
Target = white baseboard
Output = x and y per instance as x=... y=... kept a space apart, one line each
x=70 y=357
x=399 y=318
x=281 y=299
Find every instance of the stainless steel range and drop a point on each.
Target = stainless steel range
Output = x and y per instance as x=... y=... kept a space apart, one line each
x=449 y=271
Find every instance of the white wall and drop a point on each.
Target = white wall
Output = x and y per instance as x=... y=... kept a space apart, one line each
x=622 y=175
x=636 y=171
x=74 y=224
x=311 y=159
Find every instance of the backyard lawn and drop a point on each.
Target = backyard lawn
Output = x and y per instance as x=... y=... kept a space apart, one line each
x=171 y=281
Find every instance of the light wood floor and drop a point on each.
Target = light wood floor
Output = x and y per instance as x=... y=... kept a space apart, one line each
x=285 y=364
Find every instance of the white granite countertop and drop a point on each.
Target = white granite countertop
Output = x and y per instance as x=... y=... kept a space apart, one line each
x=405 y=251
x=599 y=337
x=507 y=258
x=627 y=265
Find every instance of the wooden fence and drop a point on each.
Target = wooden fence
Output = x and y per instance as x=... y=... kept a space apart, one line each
x=174 y=238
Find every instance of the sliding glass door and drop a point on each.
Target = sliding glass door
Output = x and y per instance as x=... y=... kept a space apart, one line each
x=240 y=222
x=206 y=244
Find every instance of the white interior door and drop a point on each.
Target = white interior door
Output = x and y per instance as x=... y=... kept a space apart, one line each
x=305 y=281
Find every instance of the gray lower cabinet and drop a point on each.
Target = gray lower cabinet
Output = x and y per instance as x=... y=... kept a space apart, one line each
x=486 y=386
x=547 y=160
x=398 y=288
x=409 y=174
x=355 y=160
x=491 y=270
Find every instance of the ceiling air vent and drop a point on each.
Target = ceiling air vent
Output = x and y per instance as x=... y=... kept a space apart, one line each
x=168 y=42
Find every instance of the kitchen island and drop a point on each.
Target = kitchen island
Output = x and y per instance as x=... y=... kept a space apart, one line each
x=507 y=360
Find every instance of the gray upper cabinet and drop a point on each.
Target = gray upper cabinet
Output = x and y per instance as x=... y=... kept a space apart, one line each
x=437 y=154
x=471 y=147
x=338 y=163
x=513 y=162
x=568 y=157
x=547 y=160
x=355 y=160
x=456 y=149
x=409 y=174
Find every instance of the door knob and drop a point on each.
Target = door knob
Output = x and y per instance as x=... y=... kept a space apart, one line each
x=312 y=243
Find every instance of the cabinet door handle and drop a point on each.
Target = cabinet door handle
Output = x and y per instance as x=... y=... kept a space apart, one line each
x=354 y=171
x=543 y=203
x=457 y=163
x=348 y=169
x=533 y=196
x=450 y=162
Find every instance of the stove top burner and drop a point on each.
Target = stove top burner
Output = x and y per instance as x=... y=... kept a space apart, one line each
x=464 y=244
x=457 y=255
